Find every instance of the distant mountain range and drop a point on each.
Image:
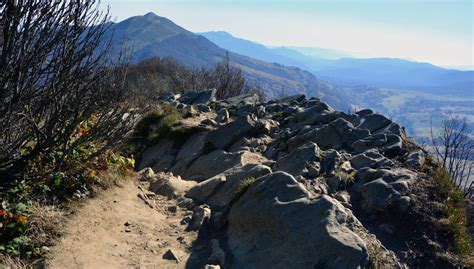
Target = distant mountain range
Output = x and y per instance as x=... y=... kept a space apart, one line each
x=154 y=36
x=377 y=72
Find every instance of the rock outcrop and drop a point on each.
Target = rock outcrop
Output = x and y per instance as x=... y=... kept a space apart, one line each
x=289 y=183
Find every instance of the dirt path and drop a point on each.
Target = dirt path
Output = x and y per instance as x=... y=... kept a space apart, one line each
x=118 y=230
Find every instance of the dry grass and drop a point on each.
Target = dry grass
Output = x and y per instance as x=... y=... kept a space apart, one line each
x=45 y=224
x=7 y=262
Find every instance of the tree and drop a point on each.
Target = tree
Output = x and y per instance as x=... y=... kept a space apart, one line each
x=229 y=80
x=58 y=92
x=454 y=149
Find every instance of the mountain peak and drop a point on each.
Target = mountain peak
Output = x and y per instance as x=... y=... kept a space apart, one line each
x=151 y=15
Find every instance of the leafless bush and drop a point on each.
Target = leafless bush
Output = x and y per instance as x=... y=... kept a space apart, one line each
x=454 y=149
x=155 y=76
x=54 y=79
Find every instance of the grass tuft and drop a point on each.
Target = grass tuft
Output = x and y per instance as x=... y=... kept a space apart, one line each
x=243 y=187
x=156 y=124
x=455 y=211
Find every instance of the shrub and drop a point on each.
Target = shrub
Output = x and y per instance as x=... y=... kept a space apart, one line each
x=155 y=125
x=455 y=211
x=59 y=94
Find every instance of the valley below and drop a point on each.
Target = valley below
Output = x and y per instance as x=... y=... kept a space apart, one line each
x=417 y=111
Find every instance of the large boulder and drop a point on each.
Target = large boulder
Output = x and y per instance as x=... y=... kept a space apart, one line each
x=225 y=135
x=389 y=143
x=159 y=155
x=201 y=97
x=245 y=100
x=296 y=162
x=388 y=175
x=325 y=136
x=378 y=196
x=377 y=124
x=337 y=134
x=278 y=224
x=371 y=158
x=384 y=189
x=191 y=150
x=217 y=162
x=219 y=190
x=170 y=186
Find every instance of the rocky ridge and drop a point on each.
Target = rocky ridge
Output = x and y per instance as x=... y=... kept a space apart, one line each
x=290 y=183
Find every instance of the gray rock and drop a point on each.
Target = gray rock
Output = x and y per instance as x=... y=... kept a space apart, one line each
x=201 y=216
x=330 y=162
x=165 y=161
x=222 y=116
x=334 y=135
x=190 y=151
x=378 y=196
x=317 y=103
x=415 y=159
x=153 y=154
x=377 y=124
x=238 y=101
x=297 y=160
x=146 y=174
x=325 y=137
x=217 y=254
x=172 y=208
x=292 y=99
x=217 y=162
x=225 y=135
x=170 y=255
x=365 y=112
x=203 y=108
x=210 y=122
x=204 y=189
x=185 y=202
x=278 y=219
x=234 y=178
x=170 y=186
x=201 y=97
x=388 y=175
x=212 y=266
x=370 y=158
x=219 y=190
x=400 y=185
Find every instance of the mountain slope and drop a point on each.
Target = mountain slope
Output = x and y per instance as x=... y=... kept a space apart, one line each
x=153 y=36
x=377 y=72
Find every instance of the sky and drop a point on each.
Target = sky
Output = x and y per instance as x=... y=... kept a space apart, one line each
x=434 y=31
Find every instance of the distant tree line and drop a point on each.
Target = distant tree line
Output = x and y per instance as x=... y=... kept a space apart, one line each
x=155 y=76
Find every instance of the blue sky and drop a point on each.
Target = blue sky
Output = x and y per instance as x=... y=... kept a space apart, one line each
x=439 y=32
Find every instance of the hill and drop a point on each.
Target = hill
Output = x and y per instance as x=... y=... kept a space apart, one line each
x=375 y=72
x=154 y=36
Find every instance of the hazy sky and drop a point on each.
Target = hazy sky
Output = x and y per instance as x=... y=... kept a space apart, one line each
x=439 y=32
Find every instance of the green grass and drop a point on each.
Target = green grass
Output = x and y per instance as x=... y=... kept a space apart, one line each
x=243 y=187
x=455 y=211
x=157 y=124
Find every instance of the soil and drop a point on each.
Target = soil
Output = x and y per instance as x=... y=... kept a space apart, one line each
x=117 y=229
